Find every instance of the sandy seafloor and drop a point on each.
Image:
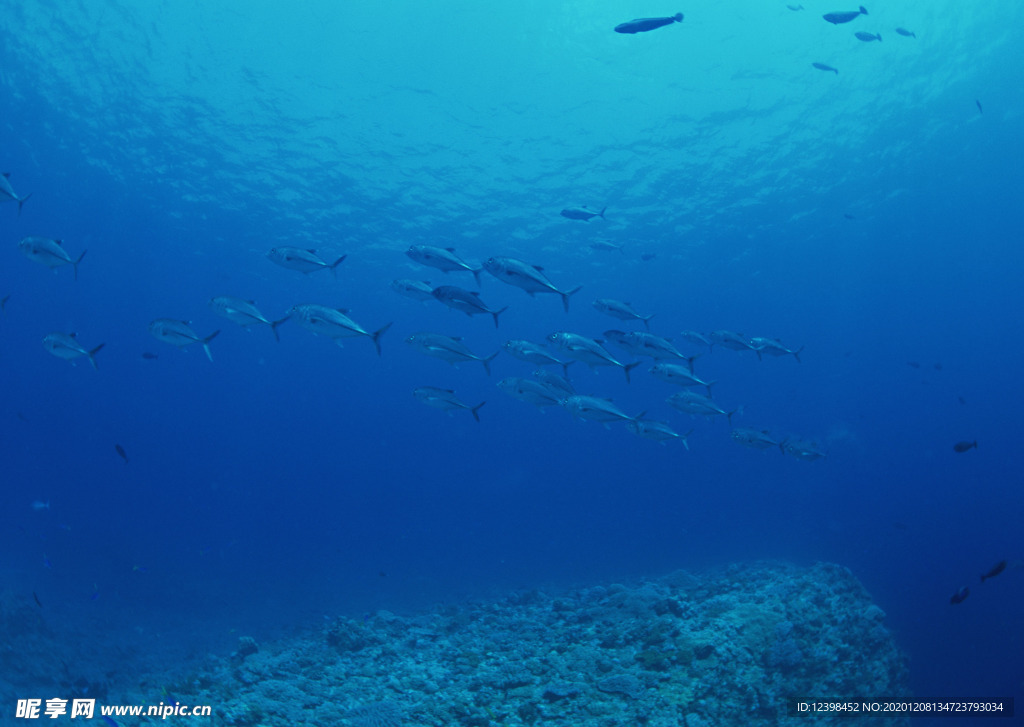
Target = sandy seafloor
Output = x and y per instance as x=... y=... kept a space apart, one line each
x=736 y=646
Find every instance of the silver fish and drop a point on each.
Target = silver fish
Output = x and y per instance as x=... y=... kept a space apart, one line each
x=442 y=258
x=467 y=301
x=657 y=431
x=7 y=193
x=801 y=449
x=690 y=402
x=530 y=278
x=844 y=16
x=643 y=25
x=305 y=261
x=447 y=349
x=444 y=399
x=582 y=213
x=243 y=312
x=48 y=252
x=67 y=347
x=559 y=385
x=180 y=334
x=754 y=438
x=608 y=245
x=532 y=353
x=530 y=391
x=596 y=409
x=868 y=37
x=679 y=375
x=731 y=339
x=621 y=310
x=773 y=347
x=698 y=339
x=414 y=289
x=333 y=323
x=657 y=347
x=625 y=341
x=588 y=351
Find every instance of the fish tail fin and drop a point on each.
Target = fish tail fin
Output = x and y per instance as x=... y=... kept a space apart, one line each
x=495 y=314
x=22 y=201
x=629 y=367
x=487 y=362
x=879 y=37
x=601 y=213
x=647 y=321
x=678 y=17
x=690 y=359
x=728 y=414
x=75 y=263
x=375 y=337
x=476 y=409
x=836 y=70
x=975 y=444
x=758 y=352
x=796 y=354
x=476 y=275
x=565 y=367
x=334 y=266
x=913 y=35
x=93 y=352
x=708 y=385
x=863 y=10
x=274 y=325
x=206 y=343
x=684 y=438
x=566 y=295
x=639 y=416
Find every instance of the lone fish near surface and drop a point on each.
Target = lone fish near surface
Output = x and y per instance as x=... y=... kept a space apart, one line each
x=845 y=16
x=824 y=67
x=643 y=25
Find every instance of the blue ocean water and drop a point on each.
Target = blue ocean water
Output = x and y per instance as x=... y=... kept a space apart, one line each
x=869 y=216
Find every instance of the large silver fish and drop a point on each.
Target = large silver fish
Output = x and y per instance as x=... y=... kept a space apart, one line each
x=801 y=449
x=442 y=258
x=621 y=310
x=467 y=301
x=180 y=334
x=696 y=338
x=596 y=409
x=7 y=193
x=844 y=16
x=67 y=347
x=530 y=278
x=690 y=402
x=415 y=289
x=532 y=353
x=531 y=391
x=559 y=385
x=679 y=375
x=305 y=261
x=445 y=399
x=754 y=438
x=447 y=349
x=582 y=213
x=588 y=351
x=657 y=431
x=657 y=347
x=47 y=251
x=243 y=312
x=643 y=25
x=731 y=339
x=774 y=347
x=625 y=341
x=334 y=323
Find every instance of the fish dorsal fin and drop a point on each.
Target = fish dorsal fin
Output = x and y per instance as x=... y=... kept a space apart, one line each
x=599 y=340
x=450 y=391
x=309 y=249
x=251 y=302
x=456 y=338
x=450 y=249
x=7 y=175
x=59 y=242
x=474 y=294
x=343 y=311
x=538 y=268
x=72 y=334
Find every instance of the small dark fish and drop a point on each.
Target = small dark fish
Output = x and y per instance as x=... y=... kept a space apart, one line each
x=905 y=33
x=149 y=356
x=992 y=573
x=848 y=216
x=964 y=446
x=963 y=402
x=868 y=37
x=976 y=101
x=120 y=451
x=937 y=367
x=960 y=596
x=845 y=16
x=913 y=364
x=36 y=599
x=642 y=25
x=3 y=303
x=824 y=67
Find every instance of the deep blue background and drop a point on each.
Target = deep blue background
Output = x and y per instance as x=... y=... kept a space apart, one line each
x=872 y=217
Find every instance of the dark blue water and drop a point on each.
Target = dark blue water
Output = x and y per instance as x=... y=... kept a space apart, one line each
x=870 y=217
